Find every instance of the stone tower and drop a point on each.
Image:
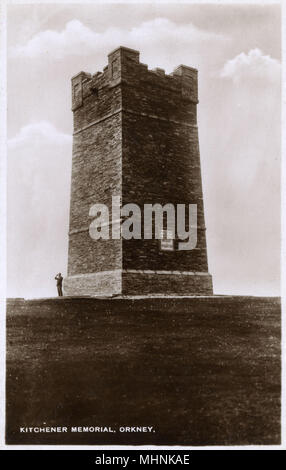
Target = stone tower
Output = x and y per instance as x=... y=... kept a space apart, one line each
x=135 y=136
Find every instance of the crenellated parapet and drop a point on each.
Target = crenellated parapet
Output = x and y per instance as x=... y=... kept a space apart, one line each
x=124 y=67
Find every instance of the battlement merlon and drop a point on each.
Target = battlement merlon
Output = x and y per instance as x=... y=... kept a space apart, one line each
x=124 y=67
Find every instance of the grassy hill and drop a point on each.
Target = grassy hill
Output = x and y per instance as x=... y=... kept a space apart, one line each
x=199 y=371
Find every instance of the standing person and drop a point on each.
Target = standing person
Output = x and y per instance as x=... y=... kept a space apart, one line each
x=59 y=279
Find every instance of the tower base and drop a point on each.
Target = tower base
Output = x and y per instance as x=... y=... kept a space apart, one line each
x=135 y=282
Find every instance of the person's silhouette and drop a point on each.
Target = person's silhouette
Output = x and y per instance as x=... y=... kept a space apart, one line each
x=59 y=279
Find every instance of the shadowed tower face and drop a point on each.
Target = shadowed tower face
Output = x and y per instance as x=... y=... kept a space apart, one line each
x=135 y=136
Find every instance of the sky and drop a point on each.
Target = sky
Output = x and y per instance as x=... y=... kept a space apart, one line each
x=237 y=51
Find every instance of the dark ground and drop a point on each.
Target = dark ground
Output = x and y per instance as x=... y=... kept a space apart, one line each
x=201 y=371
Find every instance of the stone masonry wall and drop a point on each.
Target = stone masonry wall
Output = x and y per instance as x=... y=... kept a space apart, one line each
x=160 y=158
x=176 y=283
x=201 y=371
x=96 y=176
x=135 y=136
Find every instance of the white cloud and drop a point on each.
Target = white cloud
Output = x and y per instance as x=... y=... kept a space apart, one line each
x=36 y=133
x=252 y=65
x=76 y=39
